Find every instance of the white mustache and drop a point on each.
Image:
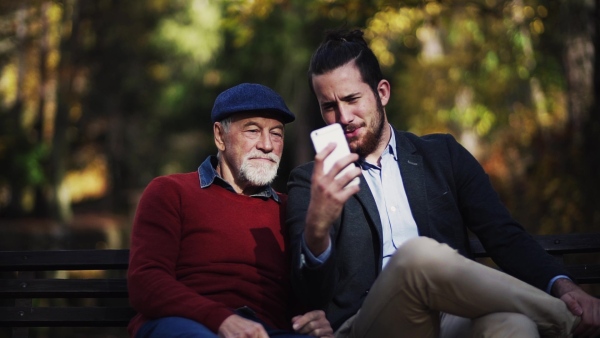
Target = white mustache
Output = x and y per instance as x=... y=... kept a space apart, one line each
x=255 y=154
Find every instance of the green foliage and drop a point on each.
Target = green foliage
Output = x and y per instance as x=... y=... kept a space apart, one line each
x=31 y=163
x=192 y=33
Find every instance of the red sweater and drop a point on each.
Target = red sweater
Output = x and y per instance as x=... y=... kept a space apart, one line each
x=201 y=253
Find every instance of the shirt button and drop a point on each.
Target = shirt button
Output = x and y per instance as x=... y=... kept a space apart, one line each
x=393 y=209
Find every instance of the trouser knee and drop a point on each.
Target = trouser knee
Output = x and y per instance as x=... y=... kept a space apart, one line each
x=421 y=254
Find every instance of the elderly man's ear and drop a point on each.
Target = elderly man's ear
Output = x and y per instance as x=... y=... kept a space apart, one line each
x=219 y=136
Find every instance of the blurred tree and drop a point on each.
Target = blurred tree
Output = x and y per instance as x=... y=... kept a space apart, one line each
x=563 y=173
x=148 y=63
x=490 y=73
x=86 y=95
x=28 y=80
x=97 y=98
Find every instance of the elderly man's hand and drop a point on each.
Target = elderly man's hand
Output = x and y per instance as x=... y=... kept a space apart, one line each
x=239 y=327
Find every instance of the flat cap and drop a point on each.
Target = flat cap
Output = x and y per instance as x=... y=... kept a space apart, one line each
x=250 y=97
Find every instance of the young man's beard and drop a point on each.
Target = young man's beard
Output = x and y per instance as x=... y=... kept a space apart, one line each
x=372 y=136
x=259 y=173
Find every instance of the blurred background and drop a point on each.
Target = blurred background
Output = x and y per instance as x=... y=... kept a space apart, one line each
x=98 y=97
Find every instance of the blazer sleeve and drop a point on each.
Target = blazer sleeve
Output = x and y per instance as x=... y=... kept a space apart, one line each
x=305 y=278
x=507 y=242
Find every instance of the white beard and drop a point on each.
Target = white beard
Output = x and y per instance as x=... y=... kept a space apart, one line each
x=259 y=173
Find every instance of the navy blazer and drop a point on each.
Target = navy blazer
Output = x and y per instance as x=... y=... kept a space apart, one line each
x=449 y=195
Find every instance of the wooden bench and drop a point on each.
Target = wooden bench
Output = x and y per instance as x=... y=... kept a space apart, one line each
x=40 y=297
x=29 y=283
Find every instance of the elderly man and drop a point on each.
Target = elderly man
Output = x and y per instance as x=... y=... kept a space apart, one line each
x=208 y=253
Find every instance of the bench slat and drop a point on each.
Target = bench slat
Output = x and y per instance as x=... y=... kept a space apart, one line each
x=554 y=244
x=570 y=243
x=585 y=273
x=562 y=245
x=65 y=316
x=63 y=288
x=64 y=260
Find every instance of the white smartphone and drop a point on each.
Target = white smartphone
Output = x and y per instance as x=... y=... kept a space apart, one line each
x=333 y=133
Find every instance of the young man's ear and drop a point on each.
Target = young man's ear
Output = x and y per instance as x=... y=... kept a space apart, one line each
x=383 y=89
x=219 y=132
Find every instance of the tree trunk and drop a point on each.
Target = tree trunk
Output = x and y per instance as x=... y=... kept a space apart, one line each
x=592 y=132
x=40 y=126
x=18 y=184
x=61 y=203
x=580 y=48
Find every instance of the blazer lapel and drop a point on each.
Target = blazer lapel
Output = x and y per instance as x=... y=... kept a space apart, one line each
x=413 y=177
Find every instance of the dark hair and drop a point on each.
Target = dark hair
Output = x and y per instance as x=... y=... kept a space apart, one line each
x=340 y=47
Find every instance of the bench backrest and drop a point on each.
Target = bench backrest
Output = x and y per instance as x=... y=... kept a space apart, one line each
x=28 y=276
x=565 y=247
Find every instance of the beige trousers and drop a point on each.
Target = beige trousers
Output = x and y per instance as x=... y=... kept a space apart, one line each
x=426 y=278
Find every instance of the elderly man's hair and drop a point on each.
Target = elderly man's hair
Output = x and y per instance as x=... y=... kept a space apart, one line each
x=226 y=123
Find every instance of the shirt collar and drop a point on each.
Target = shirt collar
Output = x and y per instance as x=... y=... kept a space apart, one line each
x=208 y=175
x=390 y=149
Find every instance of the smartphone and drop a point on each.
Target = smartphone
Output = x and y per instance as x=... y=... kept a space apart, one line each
x=333 y=133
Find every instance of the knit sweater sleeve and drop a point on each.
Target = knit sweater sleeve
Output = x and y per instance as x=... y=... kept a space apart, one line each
x=154 y=290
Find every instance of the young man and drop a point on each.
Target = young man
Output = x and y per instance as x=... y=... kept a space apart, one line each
x=411 y=187
x=208 y=249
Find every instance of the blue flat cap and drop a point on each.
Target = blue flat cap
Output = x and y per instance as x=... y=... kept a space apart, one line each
x=250 y=97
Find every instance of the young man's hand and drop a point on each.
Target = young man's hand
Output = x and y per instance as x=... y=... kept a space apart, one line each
x=580 y=304
x=328 y=194
x=313 y=323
